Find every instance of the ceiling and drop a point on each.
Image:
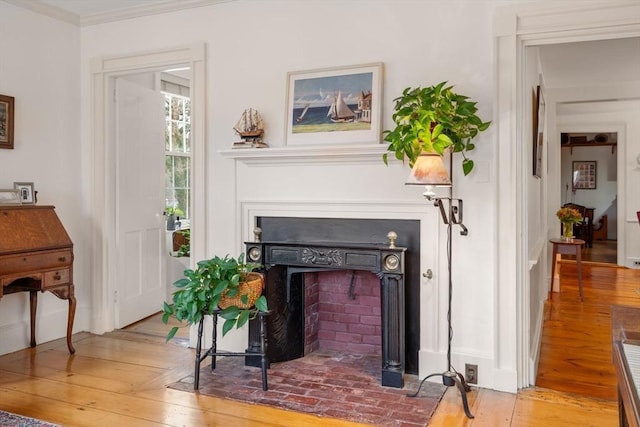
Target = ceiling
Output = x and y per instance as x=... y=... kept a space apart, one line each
x=591 y=63
x=91 y=12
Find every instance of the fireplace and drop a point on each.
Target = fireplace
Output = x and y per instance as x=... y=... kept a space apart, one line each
x=300 y=253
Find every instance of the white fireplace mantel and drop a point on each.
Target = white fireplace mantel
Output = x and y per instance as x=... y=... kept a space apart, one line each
x=369 y=153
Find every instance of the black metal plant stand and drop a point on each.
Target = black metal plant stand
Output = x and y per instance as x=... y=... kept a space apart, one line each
x=450 y=377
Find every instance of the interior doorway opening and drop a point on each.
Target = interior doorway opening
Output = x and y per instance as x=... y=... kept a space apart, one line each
x=589 y=183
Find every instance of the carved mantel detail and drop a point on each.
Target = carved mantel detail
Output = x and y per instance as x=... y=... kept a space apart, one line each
x=321 y=257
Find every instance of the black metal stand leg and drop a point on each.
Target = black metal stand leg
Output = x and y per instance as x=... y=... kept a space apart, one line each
x=214 y=341
x=196 y=374
x=263 y=351
x=449 y=379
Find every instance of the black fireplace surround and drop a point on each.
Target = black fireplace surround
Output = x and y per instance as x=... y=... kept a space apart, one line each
x=289 y=247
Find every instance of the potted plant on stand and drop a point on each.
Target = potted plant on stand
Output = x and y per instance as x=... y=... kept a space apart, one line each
x=171 y=213
x=230 y=284
x=433 y=119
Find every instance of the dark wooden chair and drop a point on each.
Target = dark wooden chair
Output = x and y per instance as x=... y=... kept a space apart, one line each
x=584 y=229
x=601 y=228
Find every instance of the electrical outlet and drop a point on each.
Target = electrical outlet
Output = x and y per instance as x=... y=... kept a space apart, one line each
x=636 y=262
x=471 y=373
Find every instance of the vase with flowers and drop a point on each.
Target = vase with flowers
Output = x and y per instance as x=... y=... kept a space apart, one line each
x=568 y=217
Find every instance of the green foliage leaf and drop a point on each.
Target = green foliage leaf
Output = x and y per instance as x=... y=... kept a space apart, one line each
x=230 y=312
x=261 y=303
x=228 y=325
x=181 y=283
x=165 y=317
x=467 y=166
x=242 y=318
x=172 y=333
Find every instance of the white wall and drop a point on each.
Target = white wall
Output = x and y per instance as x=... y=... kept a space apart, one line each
x=40 y=68
x=251 y=46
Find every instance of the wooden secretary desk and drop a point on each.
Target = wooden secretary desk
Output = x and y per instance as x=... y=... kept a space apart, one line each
x=36 y=255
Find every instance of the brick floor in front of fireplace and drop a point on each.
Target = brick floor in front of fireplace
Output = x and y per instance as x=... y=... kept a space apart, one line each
x=325 y=383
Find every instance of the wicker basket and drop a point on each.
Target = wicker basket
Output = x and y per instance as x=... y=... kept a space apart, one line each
x=252 y=287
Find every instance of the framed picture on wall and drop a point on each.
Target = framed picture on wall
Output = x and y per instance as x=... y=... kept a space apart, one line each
x=584 y=175
x=6 y=121
x=334 y=106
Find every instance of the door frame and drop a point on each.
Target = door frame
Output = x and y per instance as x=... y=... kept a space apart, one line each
x=103 y=257
x=515 y=28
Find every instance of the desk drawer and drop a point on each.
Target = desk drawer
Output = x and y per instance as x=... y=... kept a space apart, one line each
x=35 y=261
x=55 y=278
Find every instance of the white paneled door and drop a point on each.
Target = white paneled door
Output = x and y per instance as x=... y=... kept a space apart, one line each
x=140 y=234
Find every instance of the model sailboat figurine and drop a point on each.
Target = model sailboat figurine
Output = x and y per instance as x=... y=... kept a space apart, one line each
x=250 y=127
x=339 y=111
x=250 y=124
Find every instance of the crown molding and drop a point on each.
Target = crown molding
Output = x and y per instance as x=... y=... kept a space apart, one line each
x=47 y=10
x=161 y=6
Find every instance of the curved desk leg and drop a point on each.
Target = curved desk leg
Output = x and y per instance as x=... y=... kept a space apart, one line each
x=70 y=319
x=33 y=305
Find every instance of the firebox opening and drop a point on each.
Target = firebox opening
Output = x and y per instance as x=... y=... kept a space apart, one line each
x=342 y=312
x=334 y=310
x=357 y=230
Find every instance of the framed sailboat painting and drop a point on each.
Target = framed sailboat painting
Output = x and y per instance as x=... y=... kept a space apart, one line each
x=334 y=106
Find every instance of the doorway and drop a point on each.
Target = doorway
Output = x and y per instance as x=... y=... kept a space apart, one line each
x=589 y=181
x=105 y=233
x=524 y=262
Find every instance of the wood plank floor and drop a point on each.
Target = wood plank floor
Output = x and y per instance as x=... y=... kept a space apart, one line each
x=120 y=378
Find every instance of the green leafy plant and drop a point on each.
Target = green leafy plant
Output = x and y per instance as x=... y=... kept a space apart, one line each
x=433 y=119
x=200 y=291
x=170 y=210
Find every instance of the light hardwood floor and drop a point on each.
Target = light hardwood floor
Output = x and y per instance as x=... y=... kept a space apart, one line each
x=120 y=378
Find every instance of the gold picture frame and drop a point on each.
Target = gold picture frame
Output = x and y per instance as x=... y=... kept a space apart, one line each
x=6 y=121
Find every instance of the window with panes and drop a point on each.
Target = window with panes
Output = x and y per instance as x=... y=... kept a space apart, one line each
x=178 y=153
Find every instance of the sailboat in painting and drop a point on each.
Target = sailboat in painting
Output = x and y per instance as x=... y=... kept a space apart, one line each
x=304 y=111
x=339 y=111
x=250 y=124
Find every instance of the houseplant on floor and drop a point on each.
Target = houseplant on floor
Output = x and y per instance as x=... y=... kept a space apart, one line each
x=433 y=119
x=229 y=283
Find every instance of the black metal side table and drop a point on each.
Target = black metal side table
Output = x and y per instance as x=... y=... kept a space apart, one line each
x=213 y=350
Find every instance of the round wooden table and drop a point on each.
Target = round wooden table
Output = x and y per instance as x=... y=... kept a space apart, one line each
x=568 y=247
